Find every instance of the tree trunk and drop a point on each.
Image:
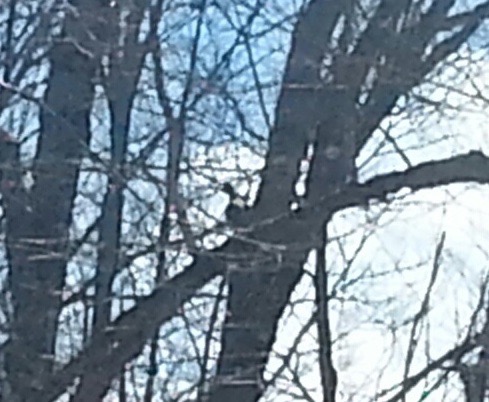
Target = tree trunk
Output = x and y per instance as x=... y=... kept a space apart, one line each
x=38 y=222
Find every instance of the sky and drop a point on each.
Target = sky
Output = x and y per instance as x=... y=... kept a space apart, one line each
x=393 y=266
x=396 y=260
x=391 y=271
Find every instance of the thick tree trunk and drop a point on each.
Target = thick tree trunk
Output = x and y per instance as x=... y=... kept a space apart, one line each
x=329 y=115
x=38 y=222
x=260 y=289
x=126 y=59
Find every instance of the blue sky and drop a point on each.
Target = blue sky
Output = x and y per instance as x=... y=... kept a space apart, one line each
x=393 y=266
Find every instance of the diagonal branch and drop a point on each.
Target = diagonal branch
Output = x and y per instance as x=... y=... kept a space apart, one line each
x=328 y=372
x=108 y=351
x=423 y=311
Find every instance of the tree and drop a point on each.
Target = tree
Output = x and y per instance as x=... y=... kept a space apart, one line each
x=113 y=105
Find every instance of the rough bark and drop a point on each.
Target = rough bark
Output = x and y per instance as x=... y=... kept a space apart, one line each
x=108 y=351
x=307 y=111
x=38 y=222
x=125 y=57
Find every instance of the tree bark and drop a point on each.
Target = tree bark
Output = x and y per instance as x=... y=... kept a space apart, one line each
x=307 y=111
x=38 y=222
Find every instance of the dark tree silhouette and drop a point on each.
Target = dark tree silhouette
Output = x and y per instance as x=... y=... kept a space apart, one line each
x=163 y=75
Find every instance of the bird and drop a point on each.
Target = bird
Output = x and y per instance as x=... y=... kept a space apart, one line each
x=236 y=203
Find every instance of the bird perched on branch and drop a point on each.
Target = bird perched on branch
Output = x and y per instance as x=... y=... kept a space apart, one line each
x=236 y=203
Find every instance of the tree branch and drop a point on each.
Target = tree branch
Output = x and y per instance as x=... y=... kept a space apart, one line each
x=108 y=351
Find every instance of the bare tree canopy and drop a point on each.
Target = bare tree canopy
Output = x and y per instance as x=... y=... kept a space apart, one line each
x=243 y=200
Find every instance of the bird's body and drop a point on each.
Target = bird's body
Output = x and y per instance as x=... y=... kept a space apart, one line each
x=236 y=204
